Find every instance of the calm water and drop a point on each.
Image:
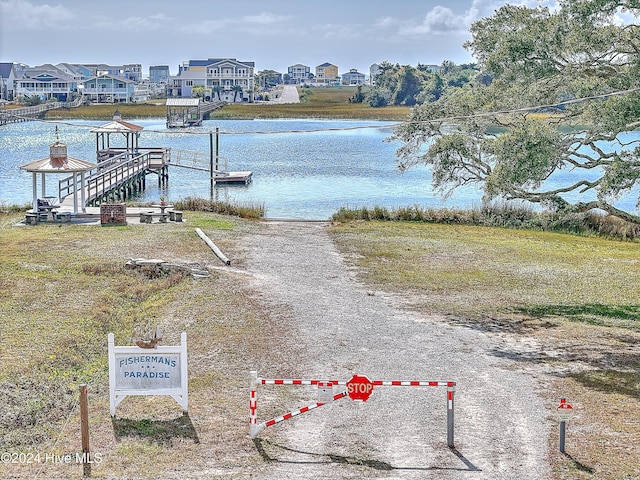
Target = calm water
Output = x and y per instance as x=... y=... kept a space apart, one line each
x=304 y=169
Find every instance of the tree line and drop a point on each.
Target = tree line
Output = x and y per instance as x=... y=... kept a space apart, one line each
x=407 y=85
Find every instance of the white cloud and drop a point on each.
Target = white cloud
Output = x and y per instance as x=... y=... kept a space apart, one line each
x=340 y=31
x=132 y=24
x=252 y=23
x=386 y=22
x=205 y=27
x=265 y=18
x=23 y=14
x=442 y=20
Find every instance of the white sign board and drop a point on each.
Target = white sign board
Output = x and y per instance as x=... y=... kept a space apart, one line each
x=565 y=411
x=325 y=392
x=148 y=371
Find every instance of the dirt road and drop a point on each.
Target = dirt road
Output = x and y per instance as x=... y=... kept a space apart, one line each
x=285 y=94
x=340 y=328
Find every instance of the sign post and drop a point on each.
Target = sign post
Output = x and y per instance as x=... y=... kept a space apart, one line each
x=140 y=371
x=565 y=413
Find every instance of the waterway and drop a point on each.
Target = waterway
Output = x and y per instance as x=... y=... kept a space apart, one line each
x=303 y=169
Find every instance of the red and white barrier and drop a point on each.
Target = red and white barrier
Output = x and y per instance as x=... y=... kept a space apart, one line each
x=358 y=388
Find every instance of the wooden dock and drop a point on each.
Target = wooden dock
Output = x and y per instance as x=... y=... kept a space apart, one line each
x=123 y=175
x=243 y=177
x=116 y=179
x=189 y=112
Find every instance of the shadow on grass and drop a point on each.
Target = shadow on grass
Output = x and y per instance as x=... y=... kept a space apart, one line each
x=611 y=381
x=591 y=313
x=328 y=458
x=159 y=431
x=580 y=466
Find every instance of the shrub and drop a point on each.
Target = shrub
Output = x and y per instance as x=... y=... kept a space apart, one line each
x=503 y=215
x=196 y=204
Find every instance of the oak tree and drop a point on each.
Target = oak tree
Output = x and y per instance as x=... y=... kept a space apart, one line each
x=563 y=95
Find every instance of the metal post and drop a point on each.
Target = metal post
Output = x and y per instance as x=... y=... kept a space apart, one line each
x=217 y=147
x=253 y=404
x=84 y=429
x=450 y=399
x=211 y=175
x=562 y=428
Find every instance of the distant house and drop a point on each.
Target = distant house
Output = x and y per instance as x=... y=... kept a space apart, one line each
x=299 y=73
x=182 y=85
x=46 y=81
x=159 y=74
x=77 y=72
x=142 y=91
x=131 y=71
x=108 y=89
x=226 y=79
x=326 y=73
x=353 y=77
x=7 y=80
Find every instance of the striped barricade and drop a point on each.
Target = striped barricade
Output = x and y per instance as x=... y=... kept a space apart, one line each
x=358 y=388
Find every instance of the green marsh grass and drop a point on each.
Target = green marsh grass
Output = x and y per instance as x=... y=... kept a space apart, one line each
x=327 y=103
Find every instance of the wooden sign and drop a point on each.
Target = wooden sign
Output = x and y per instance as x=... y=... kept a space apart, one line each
x=144 y=371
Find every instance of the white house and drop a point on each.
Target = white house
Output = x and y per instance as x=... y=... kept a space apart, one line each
x=299 y=73
x=46 y=81
x=7 y=80
x=108 y=89
x=353 y=77
x=182 y=84
x=223 y=78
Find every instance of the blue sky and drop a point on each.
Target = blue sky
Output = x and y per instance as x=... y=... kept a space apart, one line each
x=273 y=33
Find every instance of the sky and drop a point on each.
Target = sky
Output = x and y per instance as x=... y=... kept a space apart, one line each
x=272 y=33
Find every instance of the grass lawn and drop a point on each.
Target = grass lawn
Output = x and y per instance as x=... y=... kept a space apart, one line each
x=64 y=288
x=573 y=299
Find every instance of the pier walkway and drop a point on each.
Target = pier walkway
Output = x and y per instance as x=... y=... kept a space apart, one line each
x=123 y=175
x=26 y=114
x=117 y=178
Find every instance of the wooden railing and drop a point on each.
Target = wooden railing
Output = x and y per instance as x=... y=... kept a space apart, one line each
x=196 y=160
x=27 y=113
x=112 y=173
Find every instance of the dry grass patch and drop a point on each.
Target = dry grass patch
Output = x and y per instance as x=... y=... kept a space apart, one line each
x=66 y=287
x=575 y=300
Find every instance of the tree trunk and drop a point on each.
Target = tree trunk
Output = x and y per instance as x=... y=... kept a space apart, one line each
x=610 y=209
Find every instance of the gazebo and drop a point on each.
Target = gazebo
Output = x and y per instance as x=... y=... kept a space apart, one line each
x=58 y=162
x=117 y=126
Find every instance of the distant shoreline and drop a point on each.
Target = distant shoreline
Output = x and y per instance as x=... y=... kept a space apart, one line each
x=327 y=103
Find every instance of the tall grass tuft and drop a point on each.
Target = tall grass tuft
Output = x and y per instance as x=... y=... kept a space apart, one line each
x=196 y=204
x=503 y=215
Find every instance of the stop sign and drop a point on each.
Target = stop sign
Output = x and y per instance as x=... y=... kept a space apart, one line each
x=359 y=388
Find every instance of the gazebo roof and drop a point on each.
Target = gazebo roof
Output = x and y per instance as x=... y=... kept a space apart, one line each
x=183 y=102
x=58 y=164
x=118 y=126
x=54 y=165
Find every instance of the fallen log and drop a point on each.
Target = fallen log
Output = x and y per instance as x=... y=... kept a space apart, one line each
x=213 y=247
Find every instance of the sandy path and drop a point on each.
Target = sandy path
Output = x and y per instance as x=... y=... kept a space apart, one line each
x=288 y=94
x=501 y=422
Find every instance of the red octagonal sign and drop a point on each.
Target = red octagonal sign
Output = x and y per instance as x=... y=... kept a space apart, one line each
x=359 y=388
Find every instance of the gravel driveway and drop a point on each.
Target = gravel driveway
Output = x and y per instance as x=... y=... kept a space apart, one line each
x=343 y=328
